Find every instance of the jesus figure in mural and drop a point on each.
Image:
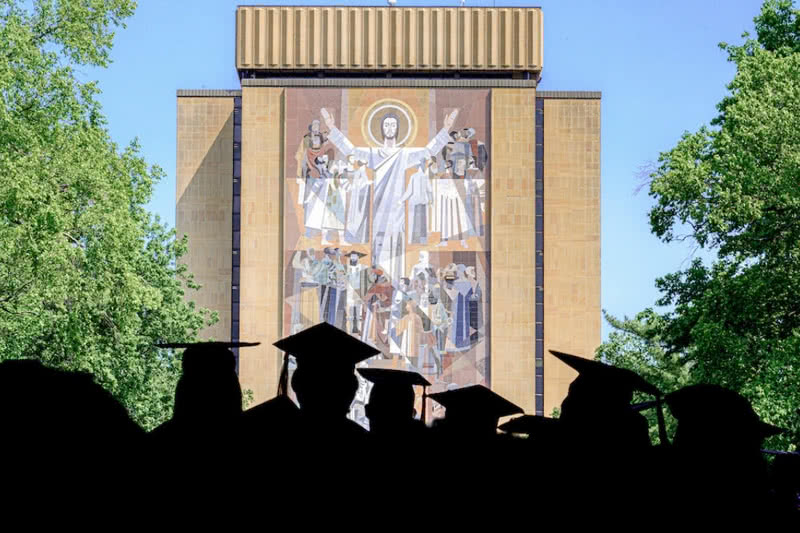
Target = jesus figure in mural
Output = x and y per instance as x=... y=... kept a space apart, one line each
x=389 y=163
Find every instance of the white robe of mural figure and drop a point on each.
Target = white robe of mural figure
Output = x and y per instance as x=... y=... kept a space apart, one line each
x=389 y=164
x=357 y=227
x=419 y=195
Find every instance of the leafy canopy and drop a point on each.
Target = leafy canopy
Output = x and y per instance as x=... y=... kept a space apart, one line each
x=89 y=279
x=736 y=185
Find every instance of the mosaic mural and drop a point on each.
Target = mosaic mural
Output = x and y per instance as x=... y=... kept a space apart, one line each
x=385 y=226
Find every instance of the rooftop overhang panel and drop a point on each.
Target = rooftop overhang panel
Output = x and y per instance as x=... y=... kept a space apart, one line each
x=413 y=39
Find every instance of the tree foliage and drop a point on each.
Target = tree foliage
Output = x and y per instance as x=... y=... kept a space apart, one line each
x=89 y=279
x=736 y=185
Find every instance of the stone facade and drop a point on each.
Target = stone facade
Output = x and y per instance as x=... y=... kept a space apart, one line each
x=571 y=238
x=512 y=248
x=261 y=262
x=203 y=201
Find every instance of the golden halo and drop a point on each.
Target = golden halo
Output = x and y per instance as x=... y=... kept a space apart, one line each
x=406 y=127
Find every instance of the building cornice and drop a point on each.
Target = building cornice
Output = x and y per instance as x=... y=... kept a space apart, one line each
x=431 y=39
x=459 y=83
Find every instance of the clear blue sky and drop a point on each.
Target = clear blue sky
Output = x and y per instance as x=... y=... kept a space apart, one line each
x=657 y=64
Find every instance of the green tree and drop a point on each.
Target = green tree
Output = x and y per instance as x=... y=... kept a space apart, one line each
x=736 y=186
x=89 y=279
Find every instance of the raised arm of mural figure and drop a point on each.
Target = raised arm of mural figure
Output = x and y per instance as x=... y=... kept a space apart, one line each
x=417 y=155
x=327 y=118
x=341 y=142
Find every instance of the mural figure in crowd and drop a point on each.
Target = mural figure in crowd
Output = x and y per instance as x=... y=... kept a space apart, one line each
x=313 y=154
x=378 y=308
x=475 y=198
x=330 y=275
x=357 y=283
x=359 y=186
x=333 y=219
x=453 y=219
x=305 y=309
x=419 y=195
x=390 y=277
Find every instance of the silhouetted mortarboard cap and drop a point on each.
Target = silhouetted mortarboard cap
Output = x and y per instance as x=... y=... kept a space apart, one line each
x=780 y=453
x=713 y=404
x=644 y=406
x=207 y=344
x=476 y=398
x=326 y=345
x=611 y=375
x=208 y=356
x=530 y=425
x=391 y=376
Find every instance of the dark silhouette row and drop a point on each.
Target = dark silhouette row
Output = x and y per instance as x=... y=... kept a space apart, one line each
x=596 y=457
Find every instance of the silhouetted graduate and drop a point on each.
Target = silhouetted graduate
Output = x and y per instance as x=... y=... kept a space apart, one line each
x=202 y=432
x=208 y=391
x=473 y=411
x=597 y=410
x=324 y=380
x=397 y=440
x=596 y=416
x=710 y=415
x=318 y=453
x=718 y=465
x=468 y=437
x=391 y=401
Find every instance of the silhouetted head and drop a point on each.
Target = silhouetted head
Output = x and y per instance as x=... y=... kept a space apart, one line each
x=391 y=401
x=325 y=394
x=208 y=389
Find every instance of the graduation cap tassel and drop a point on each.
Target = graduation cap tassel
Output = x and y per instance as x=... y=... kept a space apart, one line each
x=662 y=426
x=283 y=380
x=424 y=415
